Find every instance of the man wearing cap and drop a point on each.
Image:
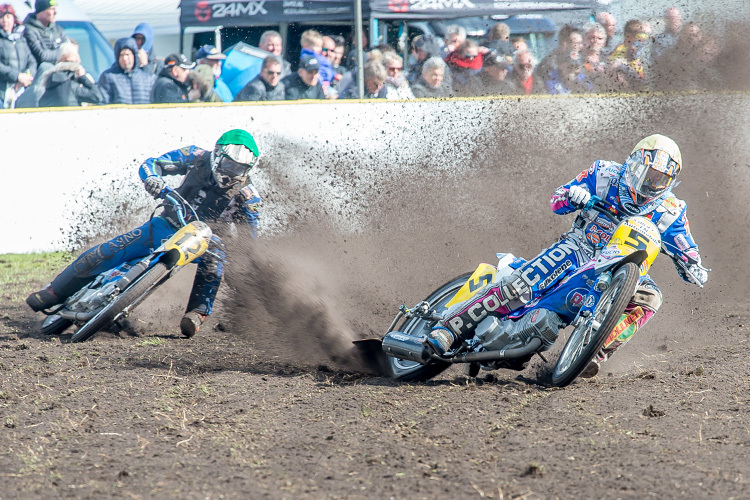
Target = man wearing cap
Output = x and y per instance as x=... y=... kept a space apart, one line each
x=304 y=83
x=492 y=79
x=42 y=34
x=210 y=60
x=171 y=86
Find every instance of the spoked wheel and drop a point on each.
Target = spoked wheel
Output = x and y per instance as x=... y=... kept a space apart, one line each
x=127 y=297
x=406 y=370
x=589 y=336
x=55 y=324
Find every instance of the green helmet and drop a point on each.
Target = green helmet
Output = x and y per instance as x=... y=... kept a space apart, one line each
x=233 y=157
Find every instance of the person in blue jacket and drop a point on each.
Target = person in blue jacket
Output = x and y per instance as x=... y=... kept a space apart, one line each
x=217 y=185
x=124 y=82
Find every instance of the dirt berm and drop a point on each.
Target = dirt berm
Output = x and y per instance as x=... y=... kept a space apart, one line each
x=268 y=402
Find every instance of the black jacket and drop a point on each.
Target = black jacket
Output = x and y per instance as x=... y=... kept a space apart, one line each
x=15 y=58
x=259 y=90
x=167 y=89
x=44 y=41
x=64 y=88
x=295 y=88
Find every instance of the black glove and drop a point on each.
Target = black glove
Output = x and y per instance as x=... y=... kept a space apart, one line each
x=154 y=185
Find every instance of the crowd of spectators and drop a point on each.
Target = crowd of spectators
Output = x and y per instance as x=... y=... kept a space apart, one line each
x=40 y=66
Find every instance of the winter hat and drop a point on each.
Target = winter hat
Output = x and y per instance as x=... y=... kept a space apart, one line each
x=7 y=8
x=41 y=5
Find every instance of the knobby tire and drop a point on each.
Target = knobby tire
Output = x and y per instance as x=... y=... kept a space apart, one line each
x=562 y=376
x=411 y=371
x=127 y=297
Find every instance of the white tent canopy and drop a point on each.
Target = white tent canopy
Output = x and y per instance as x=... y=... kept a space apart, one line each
x=118 y=19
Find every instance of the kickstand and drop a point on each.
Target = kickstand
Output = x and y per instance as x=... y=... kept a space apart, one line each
x=543 y=358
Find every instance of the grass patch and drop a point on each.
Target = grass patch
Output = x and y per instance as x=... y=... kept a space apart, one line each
x=20 y=273
x=154 y=341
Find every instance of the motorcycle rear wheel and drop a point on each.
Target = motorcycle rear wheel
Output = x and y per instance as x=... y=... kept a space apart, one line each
x=584 y=342
x=411 y=371
x=127 y=297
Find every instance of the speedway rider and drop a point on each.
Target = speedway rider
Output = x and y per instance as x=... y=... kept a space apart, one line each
x=216 y=184
x=641 y=186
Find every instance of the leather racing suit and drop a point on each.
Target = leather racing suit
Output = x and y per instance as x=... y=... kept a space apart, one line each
x=214 y=205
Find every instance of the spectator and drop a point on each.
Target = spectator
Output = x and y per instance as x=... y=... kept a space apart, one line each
x=632 y=55
x=201 y=79
x=569 y=45
x=523 y=77
x=568 y=78
x=498 y=40
x=690 y=64
x=266 y=86
x=337 y=63
x=423 y=48
x=668 y=39
x=609 y=23
x=312 y=45
x=304 y=83
x=68 y=83
x=374 y=75
x=124 y=82
x=492 y=80
x=519 y=44
x=270 y=41
x=17 y=64
x=351 y=57
x=465 y=63
x=172 y=86
x=432 y=83
x=455 y=35
x=42 y=34
x=143 y=34
x=595 y=36
x=396 y=84
x=209 y=59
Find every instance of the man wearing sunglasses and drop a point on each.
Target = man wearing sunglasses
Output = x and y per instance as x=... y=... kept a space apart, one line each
x=266 y=86
x=217 y=185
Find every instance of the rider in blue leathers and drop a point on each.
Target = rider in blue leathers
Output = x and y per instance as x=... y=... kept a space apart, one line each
x=216 y=184
x=641 y=186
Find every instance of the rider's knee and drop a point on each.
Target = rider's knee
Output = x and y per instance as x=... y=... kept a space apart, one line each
x=648 y=295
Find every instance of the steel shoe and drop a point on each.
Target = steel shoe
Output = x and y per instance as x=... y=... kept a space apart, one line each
x=191 y=323
x=43 y=299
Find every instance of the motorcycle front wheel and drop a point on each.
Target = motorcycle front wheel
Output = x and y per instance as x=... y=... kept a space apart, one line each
x=587 y=338
x=127 y=297
x=411 y=371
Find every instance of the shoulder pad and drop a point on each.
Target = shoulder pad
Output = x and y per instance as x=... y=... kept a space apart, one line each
x=672 y=205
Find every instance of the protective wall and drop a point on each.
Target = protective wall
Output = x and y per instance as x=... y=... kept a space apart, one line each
x=70 y=176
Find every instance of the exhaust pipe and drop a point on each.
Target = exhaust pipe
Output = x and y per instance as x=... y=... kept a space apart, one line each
x=404 y=346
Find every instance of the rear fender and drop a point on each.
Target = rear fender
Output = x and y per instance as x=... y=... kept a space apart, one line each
x=484 y=274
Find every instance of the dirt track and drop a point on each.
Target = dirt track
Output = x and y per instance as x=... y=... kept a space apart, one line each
x=268 y=402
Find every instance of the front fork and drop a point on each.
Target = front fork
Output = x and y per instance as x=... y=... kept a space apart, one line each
x=586 y=313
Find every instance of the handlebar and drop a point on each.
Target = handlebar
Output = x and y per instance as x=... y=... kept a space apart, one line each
x=181 y=205
x=681 y=259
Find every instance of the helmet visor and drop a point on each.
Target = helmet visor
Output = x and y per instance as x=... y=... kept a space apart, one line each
x=239 y=153
x=647 y=177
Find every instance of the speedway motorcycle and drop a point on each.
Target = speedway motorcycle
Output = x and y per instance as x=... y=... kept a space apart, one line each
x=115 y=293
x=603 y=288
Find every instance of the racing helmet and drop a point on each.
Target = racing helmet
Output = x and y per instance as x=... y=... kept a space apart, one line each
x=651 y=168
x=233 y=157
